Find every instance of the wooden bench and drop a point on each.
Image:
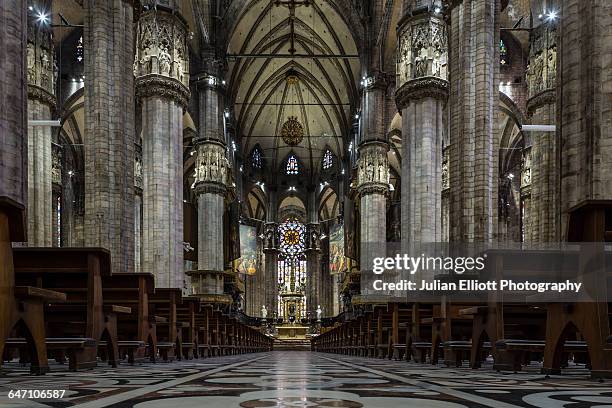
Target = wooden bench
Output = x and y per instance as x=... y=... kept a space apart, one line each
x=21 y=306
x=77 y=272
x=136 y=332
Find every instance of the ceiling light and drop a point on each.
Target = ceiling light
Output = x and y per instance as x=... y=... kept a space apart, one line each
x=552 y=15
x=42 y=18
x=30 y=8
x=437 y=10
x=510 y=176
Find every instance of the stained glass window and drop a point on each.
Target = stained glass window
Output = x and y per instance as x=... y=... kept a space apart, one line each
x=503 y=53
x=328 y=160
x=292 y=269
x=292 y=165
x=256 y=158
x=79 y=50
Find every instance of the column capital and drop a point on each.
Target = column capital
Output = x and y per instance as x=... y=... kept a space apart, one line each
x=205 y=80
x=162 y=86
x=270 y=237
x=547 y=97
x=161 y=63
x=426 y=87
x=211 y=168
x=42 y=95
x=373 y=168
x=422 y=47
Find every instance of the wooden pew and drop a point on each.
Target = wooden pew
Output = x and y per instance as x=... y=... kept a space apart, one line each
x=83 y=320
x=589 y=221
x=136 y=331
x=163 y=305
x=21 y=308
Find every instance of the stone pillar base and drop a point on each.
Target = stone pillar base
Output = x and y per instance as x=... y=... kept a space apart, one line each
x=206 y=283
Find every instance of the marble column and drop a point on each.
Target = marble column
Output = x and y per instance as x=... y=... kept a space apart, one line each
x=373 y=187
x=162 y=81
x=109 y=126
x=41 y=102
x=473 y=72
x=313 y=272
x=210 y=187
x=543 y=173
x=584 y=103
x=13 y=126
x=422 y=91
x=271 y=267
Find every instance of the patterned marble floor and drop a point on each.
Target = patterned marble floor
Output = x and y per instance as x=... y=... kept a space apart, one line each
x=303 y=379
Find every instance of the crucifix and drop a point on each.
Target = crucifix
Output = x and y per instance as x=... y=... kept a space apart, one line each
x=291 y=5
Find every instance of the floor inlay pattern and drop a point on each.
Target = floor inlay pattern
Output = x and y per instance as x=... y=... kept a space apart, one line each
x=303 y=379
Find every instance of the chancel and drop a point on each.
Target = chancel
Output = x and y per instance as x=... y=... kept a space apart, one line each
x=273 y=203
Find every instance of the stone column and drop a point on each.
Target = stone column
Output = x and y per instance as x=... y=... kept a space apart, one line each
x=313 y=272
x=422 y=91
x=210 y=188
x=271 y=267
x=162 y=85
x=13 y=128
x=474 y=94
x=584 y=103
x=41 y=103
x=109 y=126
x=373 y=187
x=543 y=174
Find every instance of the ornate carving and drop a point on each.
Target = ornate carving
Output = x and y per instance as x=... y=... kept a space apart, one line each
x=158 y=85
x=526 y=168
x=40 y=94
x=428 y=87
x=422 y=48
x=56 y=165
x=211 y=168
x=445 y=170
x=40 y=58
x=546 y=97
x=373 y=169
x=292 y=131
x=161 y=46
x=542 y=69
x=313 y=235
x=138 y=181
x=270 y=237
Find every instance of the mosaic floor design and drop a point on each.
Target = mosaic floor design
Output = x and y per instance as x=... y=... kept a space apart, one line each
x=303 y=379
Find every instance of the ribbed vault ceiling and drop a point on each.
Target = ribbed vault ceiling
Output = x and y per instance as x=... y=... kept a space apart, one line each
x=320 y=92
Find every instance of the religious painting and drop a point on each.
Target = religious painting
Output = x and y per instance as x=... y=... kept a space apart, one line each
x=247 y=263
x=337 y=260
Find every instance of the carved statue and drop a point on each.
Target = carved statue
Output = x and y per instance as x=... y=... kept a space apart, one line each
x=436 y=64
x=164 y=61
x=370 y=171
x=319 y=313
x=264 y=312
x=381 y=172
x=538 y=73
x=552 y=67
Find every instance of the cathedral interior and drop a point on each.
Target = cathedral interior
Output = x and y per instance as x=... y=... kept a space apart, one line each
x=192 y=193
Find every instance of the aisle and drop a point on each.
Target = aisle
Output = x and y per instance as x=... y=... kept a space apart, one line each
x=304 y=379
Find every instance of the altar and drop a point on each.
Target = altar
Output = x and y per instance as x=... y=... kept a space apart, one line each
x=292 y=331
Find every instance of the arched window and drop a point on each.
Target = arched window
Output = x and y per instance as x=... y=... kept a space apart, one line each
x=292 y=165
x=79 y=50
x=256 y=159
x=328 y=160
x=292 y=270
x=503 y=53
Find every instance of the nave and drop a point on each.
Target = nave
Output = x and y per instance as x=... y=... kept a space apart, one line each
x=306 y=379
